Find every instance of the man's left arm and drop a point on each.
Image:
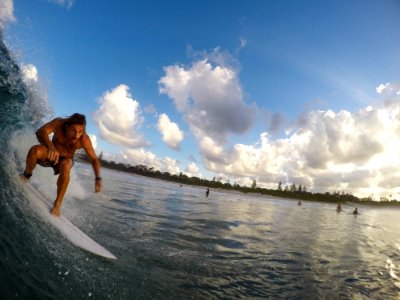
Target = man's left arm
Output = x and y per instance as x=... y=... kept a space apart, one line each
x=88 y=147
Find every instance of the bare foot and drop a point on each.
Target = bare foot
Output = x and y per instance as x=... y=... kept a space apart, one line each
x=23 y=178
x=55 y=212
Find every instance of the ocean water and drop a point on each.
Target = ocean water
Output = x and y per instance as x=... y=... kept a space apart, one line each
x=171 y=241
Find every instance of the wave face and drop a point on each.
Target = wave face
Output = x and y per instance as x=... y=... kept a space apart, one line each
x=12 y=95
x=25 y=263
x=13 y=117
x=17 y=237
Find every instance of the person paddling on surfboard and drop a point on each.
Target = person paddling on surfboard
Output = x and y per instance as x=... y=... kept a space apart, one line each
x=69 y=135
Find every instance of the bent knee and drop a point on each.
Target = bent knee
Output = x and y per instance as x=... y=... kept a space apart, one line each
x=39 y=151
x=66 y=164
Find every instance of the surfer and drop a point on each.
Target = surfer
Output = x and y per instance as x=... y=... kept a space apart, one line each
x=355 y=212
x=69 y=135
x=207 y=192
x=339 y=208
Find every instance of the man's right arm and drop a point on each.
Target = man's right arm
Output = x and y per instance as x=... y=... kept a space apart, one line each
x=42 y=135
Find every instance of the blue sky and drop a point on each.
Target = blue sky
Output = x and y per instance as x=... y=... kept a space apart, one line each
x=266 y=90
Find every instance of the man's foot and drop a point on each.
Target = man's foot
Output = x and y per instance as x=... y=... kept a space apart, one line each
x=25 y=176
x=55 y=211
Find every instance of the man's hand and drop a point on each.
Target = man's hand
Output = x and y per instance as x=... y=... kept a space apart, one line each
x=97 y=185
x=52 y=154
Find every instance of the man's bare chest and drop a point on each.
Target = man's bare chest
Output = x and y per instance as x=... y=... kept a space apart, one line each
x=64 y=146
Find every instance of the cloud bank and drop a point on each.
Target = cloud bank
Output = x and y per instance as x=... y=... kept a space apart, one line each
x=146 y=158
x=355 y=152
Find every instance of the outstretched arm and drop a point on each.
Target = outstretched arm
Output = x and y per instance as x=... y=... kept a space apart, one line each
x=42 y=135
x=88 y=147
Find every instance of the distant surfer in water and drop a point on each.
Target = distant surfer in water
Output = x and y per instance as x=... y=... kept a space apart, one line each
x=339 y=208
x=69 y=135
x=355 y=212
x=207 y=192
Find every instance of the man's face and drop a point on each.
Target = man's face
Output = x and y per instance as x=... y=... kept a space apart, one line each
x=74 y=132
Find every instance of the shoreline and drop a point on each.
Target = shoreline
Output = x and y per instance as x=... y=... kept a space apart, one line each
x=228 y=188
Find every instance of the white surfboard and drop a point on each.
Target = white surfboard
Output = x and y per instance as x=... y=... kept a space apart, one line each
x=69 y=230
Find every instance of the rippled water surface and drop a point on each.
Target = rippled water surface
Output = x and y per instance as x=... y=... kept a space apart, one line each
x=173 y=242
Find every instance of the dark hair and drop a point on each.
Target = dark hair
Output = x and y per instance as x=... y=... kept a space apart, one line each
x=74 y=119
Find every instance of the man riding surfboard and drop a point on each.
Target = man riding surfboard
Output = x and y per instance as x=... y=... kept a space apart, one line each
x=69 y=135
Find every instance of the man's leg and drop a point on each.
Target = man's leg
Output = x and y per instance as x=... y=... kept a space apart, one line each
x=37 y=152
x=62 y=184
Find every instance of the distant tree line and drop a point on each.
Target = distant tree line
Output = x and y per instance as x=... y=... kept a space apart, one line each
x=289 y=191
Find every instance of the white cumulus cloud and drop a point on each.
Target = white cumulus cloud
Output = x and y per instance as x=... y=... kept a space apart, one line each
x=209 y=95
x=119 y=118
x=381 y=87
x=171 y=134
x=388 y=88
x=192 y=168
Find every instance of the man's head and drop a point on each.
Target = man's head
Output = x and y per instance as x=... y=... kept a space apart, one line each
x=74 y=127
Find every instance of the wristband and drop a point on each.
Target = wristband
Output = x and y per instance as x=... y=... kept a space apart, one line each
x=97 y=178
